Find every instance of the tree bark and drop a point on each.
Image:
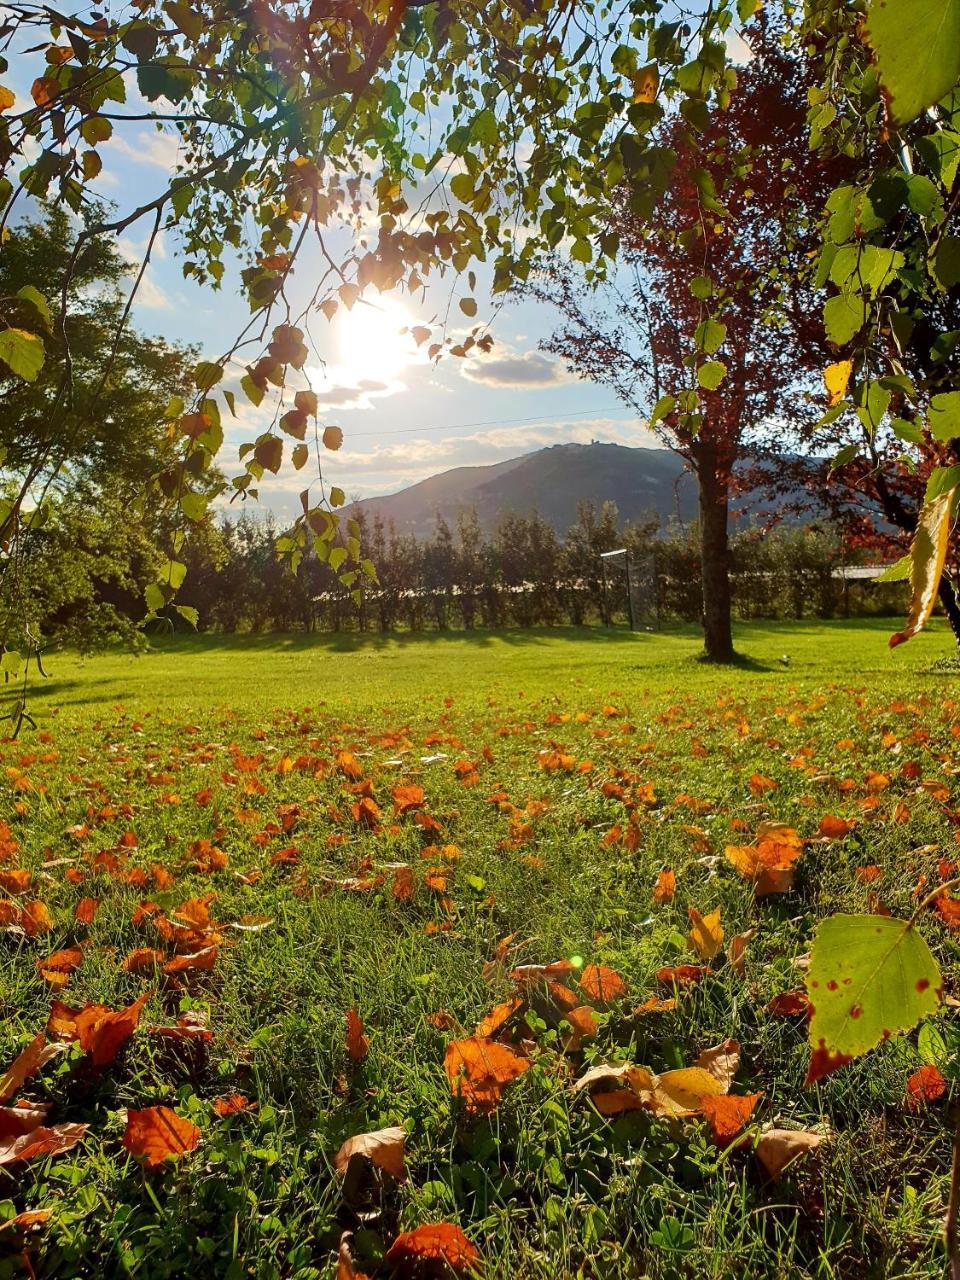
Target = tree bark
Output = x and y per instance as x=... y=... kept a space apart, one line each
x=714 y=560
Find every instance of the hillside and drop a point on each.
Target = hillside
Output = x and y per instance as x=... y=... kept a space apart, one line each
x=552 y=481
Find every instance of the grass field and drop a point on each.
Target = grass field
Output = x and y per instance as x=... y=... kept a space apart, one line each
x=561 y=772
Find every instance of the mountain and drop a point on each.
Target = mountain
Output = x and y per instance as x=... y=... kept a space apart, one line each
x=642 y=482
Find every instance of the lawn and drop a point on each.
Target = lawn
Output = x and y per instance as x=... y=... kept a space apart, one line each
x=257 y=837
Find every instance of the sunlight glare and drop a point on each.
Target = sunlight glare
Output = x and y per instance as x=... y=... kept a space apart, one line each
x=371 y=342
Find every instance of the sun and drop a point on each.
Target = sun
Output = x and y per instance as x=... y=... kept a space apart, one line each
x=372 y=344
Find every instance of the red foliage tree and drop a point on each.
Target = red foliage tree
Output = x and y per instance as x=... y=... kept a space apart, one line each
x=712 y=315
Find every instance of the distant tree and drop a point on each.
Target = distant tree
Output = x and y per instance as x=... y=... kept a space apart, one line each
x=440 y=572
x=710 y=330
x=580 y=566
x=473 y=566
x=94 y=455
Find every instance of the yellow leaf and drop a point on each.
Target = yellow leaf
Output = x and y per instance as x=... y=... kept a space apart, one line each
x=927 y=556
x=680 y=1092
x=645 y=84
x=706 y=934
x=7 y=98
x=837 y=378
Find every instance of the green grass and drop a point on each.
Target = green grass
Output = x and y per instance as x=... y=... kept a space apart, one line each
x=216 y=739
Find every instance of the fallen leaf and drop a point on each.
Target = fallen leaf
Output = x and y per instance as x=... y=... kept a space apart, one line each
x=157 y=1134
x=602 y=984
x=727 y=1114
x=479 y=1070
x=233 y=1105
x=440 y=1243
x=682 y=975
x=41 y=1142
x=925 y=1085
x=778 y=1148
x=382 y=1147
x=358 y=1046
x=706 y=933
x=27 y=1063
x=722 y=1061
x=665 y=887
x=737 y=951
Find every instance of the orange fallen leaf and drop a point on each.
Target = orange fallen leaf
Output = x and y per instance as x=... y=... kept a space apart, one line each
x=233 y=1105
x=479 y=1070
x=26 y=1064
x=143 y=960
x=358 y=1046
x=665 y=887
x=157 y=1134
x=727 y=1114
x=927 y=1084
x=789 y=1004
x=442 y=1243
x=102 y=1032
x=737 y=951
x=682 y=975
x=601 y=983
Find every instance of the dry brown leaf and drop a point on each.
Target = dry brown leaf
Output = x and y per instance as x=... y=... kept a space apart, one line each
x=382 y=1147
x=778 y=1148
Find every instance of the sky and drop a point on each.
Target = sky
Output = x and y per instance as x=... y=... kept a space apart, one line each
x=404 y=418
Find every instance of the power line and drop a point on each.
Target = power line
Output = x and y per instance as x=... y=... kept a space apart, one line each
x=493 y=422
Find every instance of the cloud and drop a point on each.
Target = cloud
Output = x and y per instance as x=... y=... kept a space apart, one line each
x=513 y=369
x=160 y=150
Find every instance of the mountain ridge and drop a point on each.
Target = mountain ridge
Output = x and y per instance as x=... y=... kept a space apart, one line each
x=643 y=482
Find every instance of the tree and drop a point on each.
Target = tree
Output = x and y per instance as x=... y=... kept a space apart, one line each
x=85 y=470
x=710 y=320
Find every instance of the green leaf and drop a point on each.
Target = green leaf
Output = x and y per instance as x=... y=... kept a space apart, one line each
x=946 y=262
x=711 y=374
x=39 y=303
x=193 y=505
x=870 y=977
x=188 y=613
x=22 y=352
x=206 y=374
x=250 y=389
x=844 y=316
x=701 y=287
x=908 y=432
x=944 y=417
x=709 y=336
x=337 y=556
x=899 y=571
x=662 y=409
x=173 y=573
x=154 y=597
x=916 y=44
x=941 y=480
x=337 y=497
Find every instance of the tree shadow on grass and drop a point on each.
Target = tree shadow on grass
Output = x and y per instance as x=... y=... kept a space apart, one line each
x=351 y=642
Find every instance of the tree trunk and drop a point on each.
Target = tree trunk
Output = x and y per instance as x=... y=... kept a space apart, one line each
x=714 y=561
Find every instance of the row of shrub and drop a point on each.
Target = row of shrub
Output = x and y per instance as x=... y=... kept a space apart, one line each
x=523 y=575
